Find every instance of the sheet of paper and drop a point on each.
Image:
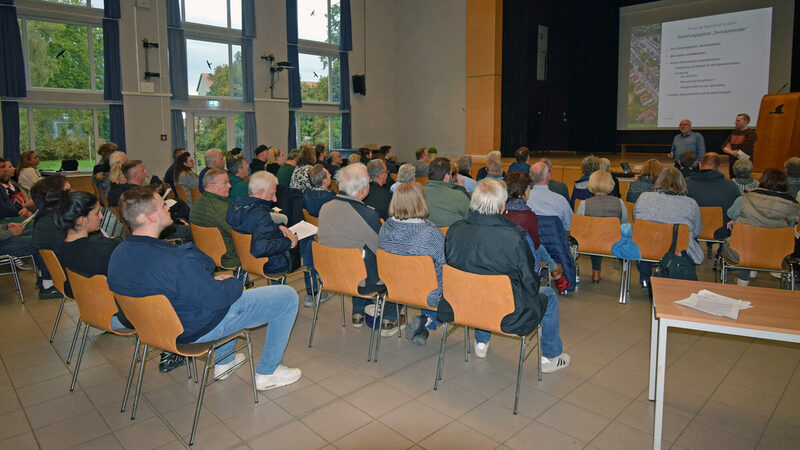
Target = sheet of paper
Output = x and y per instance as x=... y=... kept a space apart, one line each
x=303 y=229
x=25 y=222
x=715 y=304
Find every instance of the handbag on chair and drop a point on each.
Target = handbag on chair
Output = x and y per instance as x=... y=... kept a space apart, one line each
x=675 y=266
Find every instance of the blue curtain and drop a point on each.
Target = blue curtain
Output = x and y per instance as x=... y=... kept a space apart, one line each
x=178 y=129
x=344 y=81
x=248 y=84
x=112 y=9
x=112 y=87
x=292 y=131
x=295 y=98
x=347 y=138
x=250 y=134
x=345 y=45
x=346 y=39
x=116 y=115
x=10 y=112
x=176 y=46
x=12 y=63
x=248 y=18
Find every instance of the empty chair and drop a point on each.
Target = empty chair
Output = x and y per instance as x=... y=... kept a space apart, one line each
x=762 y=249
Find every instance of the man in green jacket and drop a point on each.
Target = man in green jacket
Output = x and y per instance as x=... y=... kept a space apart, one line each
x=447 y=203
x=211 y=208
x=238 y=170
x=286 y=170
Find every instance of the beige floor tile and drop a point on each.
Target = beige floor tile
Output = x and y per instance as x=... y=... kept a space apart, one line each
x=73 y=431
x=620 y=382
x=98 y=375
x=598 y=400
x=733 y=420
x=532 y=401
x=415 y=421
x=574 y=421
x=117 y=420
x=302 y=401
x=105 y=442
x=58 y=409
x=321 y=367
x=617 y=436
x=540 y=436
x=456 y=435
x=253 y=422
x=13 y=423
x=780 y=436
x=336 y=420
x=22 y=441
x=377 y=399
x=38 y=373
x=700 y=435
x=565 y=381
x=452 y=399
x=181 y=419
x=346 y=381
x=44 y=390
x=293 y=435
x=747 y=399
x=216 y=436
x=679 y=401
x=768 y=381
x=8 y=401
x=495 y=421
x=149 y=433
x=485 y=382
x=640 y=415
x=373 y=435
x=110 y=393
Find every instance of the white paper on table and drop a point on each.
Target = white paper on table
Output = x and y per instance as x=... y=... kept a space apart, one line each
x=303 y=229
x=715 y=304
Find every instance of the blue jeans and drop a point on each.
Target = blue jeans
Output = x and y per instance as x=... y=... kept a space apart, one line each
x=551 y=341
x=276 y=305
x=308 y=261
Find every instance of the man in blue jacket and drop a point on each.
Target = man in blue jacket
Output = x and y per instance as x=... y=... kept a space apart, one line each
x=208 y=307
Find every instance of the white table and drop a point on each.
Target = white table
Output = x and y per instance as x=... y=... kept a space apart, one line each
x=775 y=315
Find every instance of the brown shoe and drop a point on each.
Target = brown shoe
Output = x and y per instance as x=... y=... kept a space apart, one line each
x=595 y=276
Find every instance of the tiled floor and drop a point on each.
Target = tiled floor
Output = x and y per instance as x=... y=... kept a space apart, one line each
x=722 y=392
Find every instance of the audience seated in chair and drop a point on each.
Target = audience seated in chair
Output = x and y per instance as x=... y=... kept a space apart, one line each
x=554 y=185
x=742 y=171
x=580 y=191
x=183 y=175
x=405 y=174
x=379 y=195
x=521 y=163
x=46 y=194
x=238 y=170
x=313 y=199
x=211 y=210
x=644 y=182
x=214 y=160
x=101 y=170
x=421 y=162
x=447 y=203
x=305 y=161
x=259 y=162
x=346 y=222
x=487 y=243
x=208 y=307
x=545 y=202
x=408 y=232
x=286 y=171
x=169 y=175
x=792 y=168
x=13 y=201
x=709 y=187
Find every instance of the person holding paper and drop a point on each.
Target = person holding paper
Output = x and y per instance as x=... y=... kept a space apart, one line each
x=251 y=215
x=739 y=144
x=687 y=140
x=313 y=199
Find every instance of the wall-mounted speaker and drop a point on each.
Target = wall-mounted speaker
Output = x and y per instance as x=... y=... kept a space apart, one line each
x=360 y=84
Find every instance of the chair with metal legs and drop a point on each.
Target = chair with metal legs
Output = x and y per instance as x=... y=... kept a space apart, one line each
x=255 y=266
x=484 y=312
x=712 y=219
x=158 y=325
x=595 y=236
x=762 y=249
x=96 y=306
x=654 y=240
x=341 y=270
x=209 y=241
x=59 y=281
x=8 y=259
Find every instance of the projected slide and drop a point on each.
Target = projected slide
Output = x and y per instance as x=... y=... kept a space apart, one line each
x=706 y=69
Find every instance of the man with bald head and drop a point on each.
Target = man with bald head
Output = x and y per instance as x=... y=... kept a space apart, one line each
x=214 y=160
x=687 y=140
x=545 y=202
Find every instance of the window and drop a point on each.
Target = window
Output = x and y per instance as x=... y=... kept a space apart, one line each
x=318 y=20
x=63 y=133
x=97 y=4
x=216 y=13
x=62 y=55
x=209 y=130
x=320 y=129
x=319 y=78
x=214 y=68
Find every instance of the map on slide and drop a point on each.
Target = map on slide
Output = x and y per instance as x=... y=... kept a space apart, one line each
x=643 y=76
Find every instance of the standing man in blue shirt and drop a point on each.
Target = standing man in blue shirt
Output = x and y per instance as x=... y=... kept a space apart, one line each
x=687 y=140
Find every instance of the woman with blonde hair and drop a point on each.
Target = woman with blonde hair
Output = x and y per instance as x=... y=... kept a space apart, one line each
x=408 y=232
x=601 y=205
x=647 y=178
x=276 y=159
x=27 y=172
x=495 y=158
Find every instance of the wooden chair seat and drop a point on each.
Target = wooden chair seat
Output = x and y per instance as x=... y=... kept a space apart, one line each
x=595 y=235
x=654 y=239
x=209 y=241
x=629 y=206
x=195 y=193
x=761 y=248
x=712 y=219
x=250 y=264
x=180 y=191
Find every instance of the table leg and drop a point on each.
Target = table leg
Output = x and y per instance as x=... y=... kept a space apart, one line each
x=661 y=368
x=651 y=394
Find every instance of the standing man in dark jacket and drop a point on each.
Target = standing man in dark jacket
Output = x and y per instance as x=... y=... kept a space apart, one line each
x=708 y=187
x=251 y=215
x=208 y=307
x=488 y=243
x=739 y=144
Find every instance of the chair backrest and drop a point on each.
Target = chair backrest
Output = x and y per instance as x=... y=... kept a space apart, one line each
x=154 y=318
x=334 y=186
x=209 y=241
x=341 y=269
x=762 y=248
x=101 y=196
x=95 y=300
x=310 y=219
x=595 y=234
x=421 y=180
x=181 y=192
x=577 y=204
x=195 y=193
x=54 y=267
x=408 y=279
x=478 y=311
x=629 y=206
x=712 y=219
x=444 y=230
x=654 y=238
x=250 y=263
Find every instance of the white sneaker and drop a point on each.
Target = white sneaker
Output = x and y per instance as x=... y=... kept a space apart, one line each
x=774 y=274
x=220 y=369
x=481 y=349
x=550 y=365
x=282 y=376
x=754 y=274
x=742 y=282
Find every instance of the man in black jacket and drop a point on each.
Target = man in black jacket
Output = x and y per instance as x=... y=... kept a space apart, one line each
x=379 y=197
x=708 y=187
x=488 y=243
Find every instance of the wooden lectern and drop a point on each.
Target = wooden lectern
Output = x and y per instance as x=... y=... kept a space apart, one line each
x=778 y=131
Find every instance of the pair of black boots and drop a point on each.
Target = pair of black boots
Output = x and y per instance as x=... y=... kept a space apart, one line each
x=417 y=332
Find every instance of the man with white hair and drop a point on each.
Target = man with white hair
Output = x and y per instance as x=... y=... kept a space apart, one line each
x=251 y=215
x=346 y=222
x=545 y=202
x=214 y=160
x=488 y=243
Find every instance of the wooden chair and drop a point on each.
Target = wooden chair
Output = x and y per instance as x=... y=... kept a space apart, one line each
x=629 y=206
x=255 y=266
x=96 y=306
x=595 y=236
x=341 y=270
x=59 y=280
x=158 y=325
x=712 y=218
x=101 y=196
x=310 y=219
x=444 y=230
x=195 y=193
x=334 y=186
x=577 y=204
x=421 y=180
x=762 y=249
x=482 y=311
x=209 y=241
x=180 y=191
x=654 y=240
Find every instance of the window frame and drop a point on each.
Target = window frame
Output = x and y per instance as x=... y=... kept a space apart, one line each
x=328 y=41
x=182 y=6
x=315 y=51
x=230 y=125
x=198 y=35
x=95 y=108
x=320 y=113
